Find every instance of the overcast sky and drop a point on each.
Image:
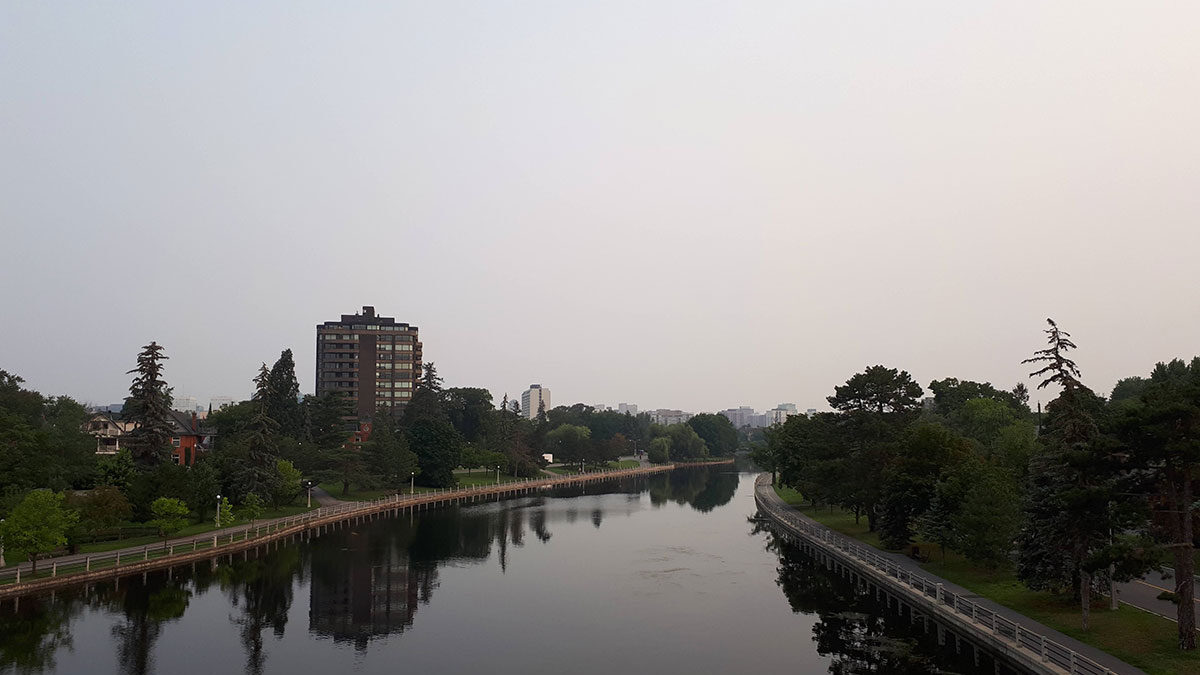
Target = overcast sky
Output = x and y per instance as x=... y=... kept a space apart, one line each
x=677 y=204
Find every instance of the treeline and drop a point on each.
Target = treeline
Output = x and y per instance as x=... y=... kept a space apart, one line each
x=1091 y=492
x=55 y=490
x=581 y=434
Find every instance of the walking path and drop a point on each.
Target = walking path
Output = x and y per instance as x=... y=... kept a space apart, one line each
x=331 y=509
x=766 y=493
x=324 y=498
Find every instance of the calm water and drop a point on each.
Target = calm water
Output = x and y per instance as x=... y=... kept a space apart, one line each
x=663 y=574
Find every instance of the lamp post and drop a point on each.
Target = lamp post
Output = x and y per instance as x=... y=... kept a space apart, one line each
x=310 y=495
x=412 y=482
x=497 y=475
x=218 y=510
x=1 y=543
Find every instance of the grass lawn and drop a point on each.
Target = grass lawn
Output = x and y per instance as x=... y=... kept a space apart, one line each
x=1136 y=637
x=488 y=478
x=190 y=530
x=193 y=529
x=355 y=495
x=573 y=469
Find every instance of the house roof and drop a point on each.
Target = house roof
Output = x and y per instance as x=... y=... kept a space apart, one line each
x=181 y=423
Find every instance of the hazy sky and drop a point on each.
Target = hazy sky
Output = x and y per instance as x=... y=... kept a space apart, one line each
x=677 y=204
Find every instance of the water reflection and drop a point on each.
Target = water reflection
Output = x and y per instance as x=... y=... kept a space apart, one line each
x=365 y=582
x=32 y=634
x=859 y=634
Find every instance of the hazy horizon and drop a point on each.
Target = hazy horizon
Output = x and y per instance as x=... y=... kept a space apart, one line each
x=678 y=205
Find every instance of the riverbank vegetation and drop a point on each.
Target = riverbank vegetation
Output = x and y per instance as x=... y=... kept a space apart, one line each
x=1137 y=637
x=1064 y=502
x=257 y=457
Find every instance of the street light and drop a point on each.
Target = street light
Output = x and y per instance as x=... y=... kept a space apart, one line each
x=497 y=474
x=218 y=510
x=1 y=543
x=412 y=482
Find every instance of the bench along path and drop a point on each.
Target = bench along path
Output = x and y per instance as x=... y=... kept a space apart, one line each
x=85 y=567
x=1056 y=651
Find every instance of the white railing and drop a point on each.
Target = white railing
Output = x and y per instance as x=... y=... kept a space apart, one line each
x=219 y=539
x=1046 y=649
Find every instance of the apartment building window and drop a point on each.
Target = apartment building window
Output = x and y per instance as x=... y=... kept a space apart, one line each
x=175 y=442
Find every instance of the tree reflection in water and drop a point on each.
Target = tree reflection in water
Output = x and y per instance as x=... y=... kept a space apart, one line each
x=262 y=588
x=702 y=488
x=366 y=580
x=146 y=606
x=851 y=628
x=33 y=633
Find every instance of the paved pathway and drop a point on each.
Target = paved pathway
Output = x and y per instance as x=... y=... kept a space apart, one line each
x=324 y=498
x=1143 y=594
x=1101 y=657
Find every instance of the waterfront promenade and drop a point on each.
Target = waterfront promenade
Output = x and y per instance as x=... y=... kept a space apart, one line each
x=66 y=570
x=1032 y=644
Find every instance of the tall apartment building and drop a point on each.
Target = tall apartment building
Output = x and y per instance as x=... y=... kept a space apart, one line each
x=373 y=360
x=533 y=397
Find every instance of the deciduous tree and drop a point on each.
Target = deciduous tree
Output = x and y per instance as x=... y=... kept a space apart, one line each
x=37 y=525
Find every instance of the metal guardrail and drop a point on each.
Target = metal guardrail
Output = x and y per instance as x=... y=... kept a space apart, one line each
x=53 y=567
x=1047 y=649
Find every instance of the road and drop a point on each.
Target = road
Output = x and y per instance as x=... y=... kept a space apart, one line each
x=1143 y=594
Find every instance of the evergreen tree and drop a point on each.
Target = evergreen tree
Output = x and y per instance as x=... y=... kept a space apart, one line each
x=387 y=456
x=261 y=440
x=876 y=405
x=438 y=447
x=283 y=391
x=149 y=408
x=1160 y=427
x=1067 y=536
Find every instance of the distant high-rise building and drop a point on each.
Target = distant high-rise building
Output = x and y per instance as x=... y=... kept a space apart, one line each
x=371 y=359
x=780 y=413
x=811 y=412
x=534 y=396
x=218 y=402
x=187 y=404
x=667 y=417
x=627 y=408
x=741 y=417
x=600 y=407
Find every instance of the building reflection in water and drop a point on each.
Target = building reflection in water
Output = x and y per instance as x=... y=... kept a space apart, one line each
x=366 y=582
x=362 y=592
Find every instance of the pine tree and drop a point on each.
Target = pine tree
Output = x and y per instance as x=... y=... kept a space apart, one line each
x=283 y=391
x=1162 y=434
x=1069 y=524
x=261 y=438
x=541 y=411
x=149 y=408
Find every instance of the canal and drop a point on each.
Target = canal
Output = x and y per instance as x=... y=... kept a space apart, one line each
x=666 y=573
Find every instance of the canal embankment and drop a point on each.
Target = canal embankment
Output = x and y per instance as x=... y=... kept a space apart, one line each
x=67 y=570
x=937 y=602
